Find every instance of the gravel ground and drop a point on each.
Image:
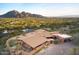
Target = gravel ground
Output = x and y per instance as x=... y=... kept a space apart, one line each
x=59 y=49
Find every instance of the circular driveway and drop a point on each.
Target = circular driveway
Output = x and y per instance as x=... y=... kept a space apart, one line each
x=59 y=49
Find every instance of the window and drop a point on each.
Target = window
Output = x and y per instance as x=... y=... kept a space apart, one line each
x=26 y=48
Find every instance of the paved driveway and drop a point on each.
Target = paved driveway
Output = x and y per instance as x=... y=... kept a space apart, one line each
x=59 y=49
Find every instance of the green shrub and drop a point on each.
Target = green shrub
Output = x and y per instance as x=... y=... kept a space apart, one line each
x=56 y=41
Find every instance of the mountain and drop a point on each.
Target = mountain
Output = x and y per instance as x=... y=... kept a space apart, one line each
x=16 y=14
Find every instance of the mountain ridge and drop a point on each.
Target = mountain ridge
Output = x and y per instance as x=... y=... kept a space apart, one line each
x=16 y=14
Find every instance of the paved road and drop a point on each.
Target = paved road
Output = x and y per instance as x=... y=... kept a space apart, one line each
x=59 y=49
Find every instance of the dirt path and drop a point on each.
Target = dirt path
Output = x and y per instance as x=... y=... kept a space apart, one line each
x=59 y=49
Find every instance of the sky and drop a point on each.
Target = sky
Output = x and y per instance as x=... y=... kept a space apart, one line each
x=45 y=9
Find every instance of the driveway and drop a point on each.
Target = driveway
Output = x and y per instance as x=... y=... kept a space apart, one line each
x=59 y=49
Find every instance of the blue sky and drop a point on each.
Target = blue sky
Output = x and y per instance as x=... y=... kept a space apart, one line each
x=46 y=9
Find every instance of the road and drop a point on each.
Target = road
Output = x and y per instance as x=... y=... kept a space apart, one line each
x=59 y=49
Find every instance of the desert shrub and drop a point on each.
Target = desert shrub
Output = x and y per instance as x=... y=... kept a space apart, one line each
x=76 y=39
x=56 y=41
x=75 y=51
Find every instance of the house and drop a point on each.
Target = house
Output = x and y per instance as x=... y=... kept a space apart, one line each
x=34 y=41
